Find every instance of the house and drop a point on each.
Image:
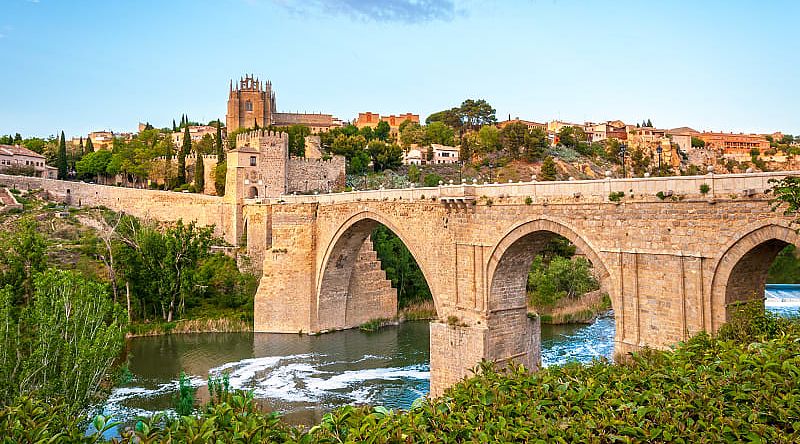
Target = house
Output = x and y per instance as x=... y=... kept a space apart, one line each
x=15 y=159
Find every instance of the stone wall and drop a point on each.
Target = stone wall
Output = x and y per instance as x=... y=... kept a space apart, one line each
x=146 y=204
x=306 y=175
x=159 y=166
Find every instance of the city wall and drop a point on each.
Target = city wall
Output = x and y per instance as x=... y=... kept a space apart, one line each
x=305 y=175
x=164 y=206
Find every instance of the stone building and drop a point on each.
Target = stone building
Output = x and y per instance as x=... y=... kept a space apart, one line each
x=260 y=166
x=196 y=133
x=251 y=103
x=531 y=125
x=371 y=120
x=735 y=144
x=15 y=159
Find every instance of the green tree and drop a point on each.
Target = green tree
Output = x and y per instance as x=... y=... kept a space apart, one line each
x=450 y=117
x=698 y=142
x=413 y=174
x=220 y=173
x=73 y=332
x=431 y=180
x=536 y=144
x=438 y=132
x=514 y=139
x=412 y=133
x=560 y=278
x=477 y=113
x=94 y=164
x=548 y=171
x=218 y=143
x=199 y=173
x=400 y=267
x=186 y=148
x=489 y=139
x=384 y=156
x=23 y=256
x=62 y=158
x=89 y=145
x=382 y=131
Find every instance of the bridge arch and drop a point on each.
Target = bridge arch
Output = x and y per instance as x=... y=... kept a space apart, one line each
x=508 y=267
x=339 y=258
x=740 y=275
x=513 y=254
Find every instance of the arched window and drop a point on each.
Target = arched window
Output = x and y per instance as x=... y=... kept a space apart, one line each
x=248 y=106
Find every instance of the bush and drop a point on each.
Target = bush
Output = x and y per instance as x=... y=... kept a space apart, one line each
x=562 y=277
x=704 y=189
x=616 y=196
x=528 y=200
x=431 y=180
x=661 y=195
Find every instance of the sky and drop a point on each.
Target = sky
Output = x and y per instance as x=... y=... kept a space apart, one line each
x=87 y=65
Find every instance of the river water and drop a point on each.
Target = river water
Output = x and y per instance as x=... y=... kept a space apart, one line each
x=306 y=376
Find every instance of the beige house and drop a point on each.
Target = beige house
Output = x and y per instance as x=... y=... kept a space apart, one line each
x=15 y=159
x=196 y=133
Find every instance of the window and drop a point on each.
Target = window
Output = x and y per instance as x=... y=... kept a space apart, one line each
x=248 y=106
x=252 y=161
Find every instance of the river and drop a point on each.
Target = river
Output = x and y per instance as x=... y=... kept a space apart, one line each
x=306 y=376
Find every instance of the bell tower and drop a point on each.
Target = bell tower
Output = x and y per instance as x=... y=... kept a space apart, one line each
x=251 y=102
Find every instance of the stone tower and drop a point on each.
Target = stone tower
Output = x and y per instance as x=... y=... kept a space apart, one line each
x=250 y=102
x=258 y=166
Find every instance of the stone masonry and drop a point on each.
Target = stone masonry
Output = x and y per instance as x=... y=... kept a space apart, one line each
x=673 y=267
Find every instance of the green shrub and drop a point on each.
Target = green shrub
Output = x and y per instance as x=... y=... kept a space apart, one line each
x=528 y=200
x=562 y=277
x=704 y=189
x=661 y=195
x=184 y=400
x=616 y=196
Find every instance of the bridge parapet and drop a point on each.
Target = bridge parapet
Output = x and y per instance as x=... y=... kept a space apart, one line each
x=720 y=185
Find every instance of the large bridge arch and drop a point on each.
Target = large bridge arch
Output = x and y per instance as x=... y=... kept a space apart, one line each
x=507 y=272
x=338 y=261
x=741 y=272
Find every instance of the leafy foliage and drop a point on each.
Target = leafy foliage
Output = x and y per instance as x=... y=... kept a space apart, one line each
x=561 y=277
x=400 y=267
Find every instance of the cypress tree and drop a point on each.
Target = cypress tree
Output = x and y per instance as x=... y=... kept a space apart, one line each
x=174 y=128
x=199 y=173
x=220 y=149
x=18 y=139
x=256 y=124
x=185 y=149
x=80 y=146
x=61 y=161
x=89 y=145
x=168 y=165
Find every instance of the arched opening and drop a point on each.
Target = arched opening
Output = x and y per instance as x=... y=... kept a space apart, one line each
x=543 y=267
x=743 y=271
x=252 y=193
x=369 y=272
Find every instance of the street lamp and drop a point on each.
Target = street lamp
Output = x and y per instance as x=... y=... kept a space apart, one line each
x=658 y=150
x=491 y=172
x=622 y=152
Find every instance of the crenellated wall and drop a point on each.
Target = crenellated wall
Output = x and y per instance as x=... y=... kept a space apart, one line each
x=305 y=175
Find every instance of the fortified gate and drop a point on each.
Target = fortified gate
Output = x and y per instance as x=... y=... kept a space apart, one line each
x=672 y=259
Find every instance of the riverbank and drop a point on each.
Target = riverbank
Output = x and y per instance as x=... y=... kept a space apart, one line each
x=582 y=310
x=216 y=325
x=690 y=401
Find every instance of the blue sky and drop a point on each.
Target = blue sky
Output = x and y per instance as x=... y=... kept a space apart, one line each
x=87 y=65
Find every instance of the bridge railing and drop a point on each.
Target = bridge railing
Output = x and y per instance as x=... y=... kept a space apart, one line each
x=720 y=185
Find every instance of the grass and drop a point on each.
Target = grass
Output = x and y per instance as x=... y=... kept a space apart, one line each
x=418 y=311
x=375 y=324
x=218 y=325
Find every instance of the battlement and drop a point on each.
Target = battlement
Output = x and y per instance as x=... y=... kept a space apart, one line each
x=334 y=160
x=257 y=138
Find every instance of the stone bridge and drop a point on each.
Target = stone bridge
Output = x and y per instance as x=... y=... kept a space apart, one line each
x=672 y=259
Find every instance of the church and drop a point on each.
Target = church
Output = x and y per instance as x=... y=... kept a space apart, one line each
x=251 y=104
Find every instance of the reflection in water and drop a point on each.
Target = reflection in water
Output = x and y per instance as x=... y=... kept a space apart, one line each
x=306 y=376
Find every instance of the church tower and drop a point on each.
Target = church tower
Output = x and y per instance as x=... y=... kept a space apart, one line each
x=250 y=103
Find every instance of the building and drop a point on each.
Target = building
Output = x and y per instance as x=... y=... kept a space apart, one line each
x=655 y=143
x=444 y=154
x=196 y=133
x=101 y=140
x=15 y=159
x=734 y=144
x=413 y=157
x=260 y=166
x=612 y=129
x=531 y=125
x=251 y=104
x=554 y=126
x=371 y=120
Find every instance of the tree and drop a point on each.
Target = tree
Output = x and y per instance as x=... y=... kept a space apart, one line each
x=698 y=142
x=400 y=267
x=438 y=132
x=18 y=138
x=89 y=145
x=382 y=131
x=450 y=117
x=649 y=124
x=413 y=174
x=72 y=334
x=476 y=113
x=220 y=174
x=199 y=173
x=218 y=142
x=548 y=171
x=431 y=180
x=62 y=158
x=489 y=139
x=514 y=138
x=186 y=148
x=412 y=133
x=23 y=256
x=535 y=144
x=93 y=164
x=174 y=128
x=384 y=156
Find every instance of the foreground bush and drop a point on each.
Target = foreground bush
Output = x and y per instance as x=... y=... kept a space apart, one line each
x=741 y=386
